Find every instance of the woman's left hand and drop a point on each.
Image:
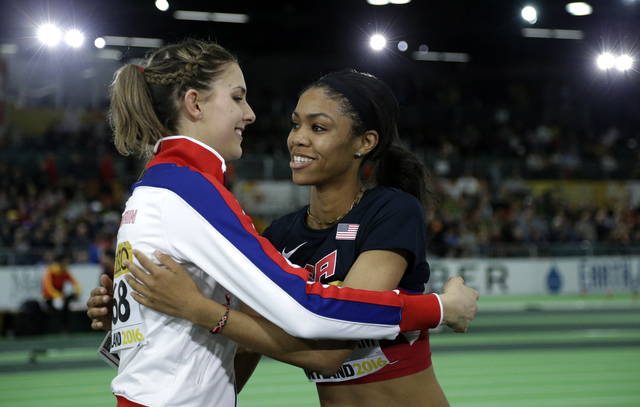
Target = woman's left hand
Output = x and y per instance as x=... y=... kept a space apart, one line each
x=169 y=290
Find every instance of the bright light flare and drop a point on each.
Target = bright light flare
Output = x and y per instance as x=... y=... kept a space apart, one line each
x=529 y=14
x=385 y=2
x=74 y=38
x=377 y=42
x=100 y=42
x=624 y=63
x=403 y=46
x=606 y=61
x=49 y=34
x=579 y=9
x=609 y=61
x=162 y=5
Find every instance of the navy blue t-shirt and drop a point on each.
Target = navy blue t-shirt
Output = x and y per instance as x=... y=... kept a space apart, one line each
x=385 y=218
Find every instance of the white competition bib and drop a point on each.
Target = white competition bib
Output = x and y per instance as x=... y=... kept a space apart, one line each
x=366 y=358
x=127 y=330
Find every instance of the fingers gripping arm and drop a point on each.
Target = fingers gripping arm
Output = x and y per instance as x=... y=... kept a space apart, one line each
x=100 y=303
x=172 y=291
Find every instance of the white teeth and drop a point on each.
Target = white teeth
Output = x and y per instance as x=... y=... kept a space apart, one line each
x=239 y=132
x=298 y=159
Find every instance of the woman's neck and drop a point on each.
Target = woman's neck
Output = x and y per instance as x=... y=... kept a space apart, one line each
x=329 y=204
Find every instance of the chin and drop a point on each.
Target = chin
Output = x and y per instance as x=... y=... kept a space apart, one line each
x=234 y=155
x=298 y=180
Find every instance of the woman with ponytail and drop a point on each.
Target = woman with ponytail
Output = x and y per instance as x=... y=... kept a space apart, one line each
x=366 y=235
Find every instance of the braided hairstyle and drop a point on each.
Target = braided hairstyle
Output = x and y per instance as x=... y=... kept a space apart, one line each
x=393 y=165
x=145 y=102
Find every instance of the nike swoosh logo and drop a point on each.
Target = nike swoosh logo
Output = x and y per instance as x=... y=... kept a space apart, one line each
x=286 y=254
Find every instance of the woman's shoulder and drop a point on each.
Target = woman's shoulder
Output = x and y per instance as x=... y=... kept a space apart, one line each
x=393 y=203
x=384 y=195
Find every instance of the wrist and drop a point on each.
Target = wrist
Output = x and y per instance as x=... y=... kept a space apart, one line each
x=199 y=311
x=446 y=308
x=205 y=312
x=223 y=319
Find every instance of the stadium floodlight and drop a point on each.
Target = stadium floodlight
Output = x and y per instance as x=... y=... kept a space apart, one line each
x=49 y=34
x=377 y=42
x=552 y=33
x=118 y=41
x=403 y=46
x=162 y=5
x=579 y=9
x=606 y=61
x=624 y=63
x=385 y=2
x=109 y=54
x=8 y=49
x=206 y=16
x=529 y=14
x=441 y=56
x=100 y=42
x=74 y=38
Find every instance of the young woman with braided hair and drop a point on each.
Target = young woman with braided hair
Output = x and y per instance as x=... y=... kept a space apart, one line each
x=381 y=249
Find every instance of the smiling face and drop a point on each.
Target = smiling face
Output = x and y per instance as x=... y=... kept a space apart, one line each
x=320 y=142
x=225 y=113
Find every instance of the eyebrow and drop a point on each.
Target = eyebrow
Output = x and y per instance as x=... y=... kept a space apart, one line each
x=314 y=115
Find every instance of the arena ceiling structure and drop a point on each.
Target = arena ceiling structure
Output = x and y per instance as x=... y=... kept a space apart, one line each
x=486 y=31
x=285 y=37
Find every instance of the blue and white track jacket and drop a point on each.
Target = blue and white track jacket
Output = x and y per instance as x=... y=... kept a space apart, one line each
x=182 y=208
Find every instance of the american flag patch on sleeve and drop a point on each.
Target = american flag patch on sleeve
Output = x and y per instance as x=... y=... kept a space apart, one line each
x=347 y=231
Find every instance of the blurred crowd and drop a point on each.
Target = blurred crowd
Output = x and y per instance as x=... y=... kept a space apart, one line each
x=41 y=218
x=476 y=218
x=64 y=190
x=59 y=194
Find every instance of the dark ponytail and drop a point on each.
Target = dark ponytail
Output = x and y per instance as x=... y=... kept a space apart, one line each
x=399 y=168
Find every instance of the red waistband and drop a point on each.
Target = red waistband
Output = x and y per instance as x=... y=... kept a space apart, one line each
x=123 y=402
x=406 y=359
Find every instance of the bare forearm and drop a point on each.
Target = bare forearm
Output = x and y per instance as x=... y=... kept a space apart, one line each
x=257 y=333
x=173 y=292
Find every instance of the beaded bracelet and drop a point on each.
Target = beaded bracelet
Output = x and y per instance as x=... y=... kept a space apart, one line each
x=218 y=327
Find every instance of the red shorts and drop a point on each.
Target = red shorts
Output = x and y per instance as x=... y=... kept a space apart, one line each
x=406 y=359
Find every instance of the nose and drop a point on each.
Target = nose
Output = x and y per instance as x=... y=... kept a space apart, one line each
x=249 y=116
x=297 y=138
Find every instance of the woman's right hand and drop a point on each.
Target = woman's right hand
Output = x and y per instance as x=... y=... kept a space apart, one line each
x=169 y=290
x=100 y=305
x=460 y=304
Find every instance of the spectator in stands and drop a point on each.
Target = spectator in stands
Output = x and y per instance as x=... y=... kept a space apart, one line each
x=56 y=296
x=517 y=141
